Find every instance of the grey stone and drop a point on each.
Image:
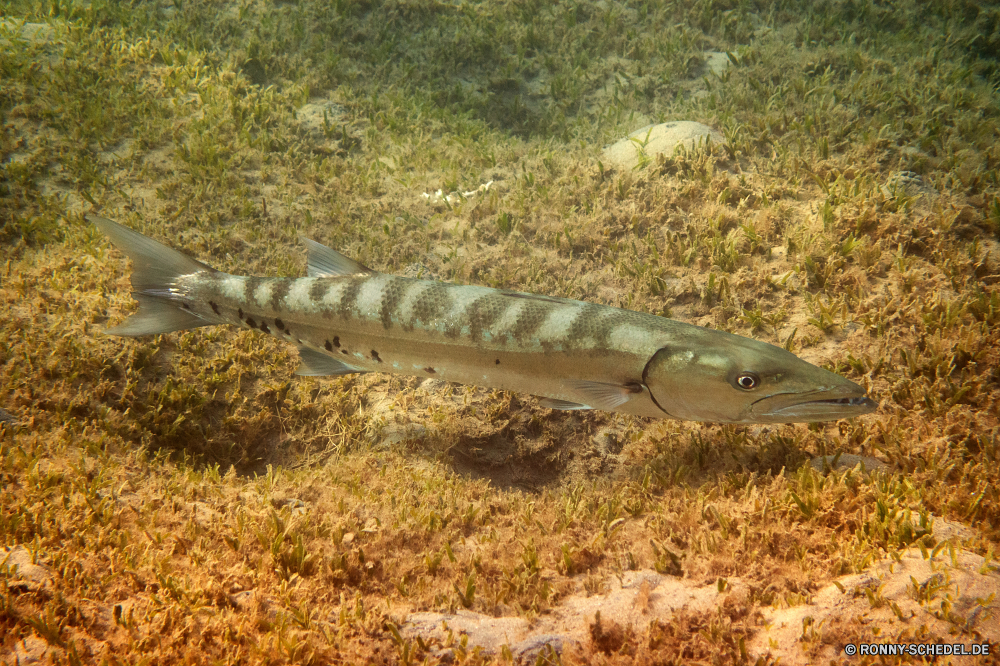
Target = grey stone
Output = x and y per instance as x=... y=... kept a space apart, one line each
x=846 y=461
x=318 y=116
x=716 y=62
x=12 y=31
x=653 y=140
x=528 y=650
x=25 y=575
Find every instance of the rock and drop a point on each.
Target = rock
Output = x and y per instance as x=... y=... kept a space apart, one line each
x=31 y=650
x=943 y=530
x=203 y=514
x=912 y=600
x=244 y=600
x=716 y=62
x=394 y=433
x=25 y=576
x=483 y=631
x=318 y=116
x=653 y=140
x=912 y=152
x=844 y=461
x=7 y=418
x=296 y=506
x=456 y=196
x=609 y=441
x=631 y=601
x=907 y=182
x=530 y=650
x=17 y=31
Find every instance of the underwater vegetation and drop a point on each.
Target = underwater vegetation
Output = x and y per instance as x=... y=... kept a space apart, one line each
x=184 y=497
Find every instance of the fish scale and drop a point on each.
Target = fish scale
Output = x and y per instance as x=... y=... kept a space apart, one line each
x=346 y=318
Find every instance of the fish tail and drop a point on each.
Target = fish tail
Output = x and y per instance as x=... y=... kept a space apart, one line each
x=163 y=307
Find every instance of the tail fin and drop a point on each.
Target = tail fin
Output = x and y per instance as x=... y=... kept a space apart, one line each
x=155 y=267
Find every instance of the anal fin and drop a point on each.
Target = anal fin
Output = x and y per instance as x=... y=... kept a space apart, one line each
x=563 y=405
x=318 y=364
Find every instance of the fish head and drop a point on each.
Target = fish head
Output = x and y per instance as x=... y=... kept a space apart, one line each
x=724 y=378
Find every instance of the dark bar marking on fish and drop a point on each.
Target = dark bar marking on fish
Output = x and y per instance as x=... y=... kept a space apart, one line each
x=392 y=294
x=215 y=308
x=429 y=370
x=336 y=341
x=348 y=305
x=530 y=319
x=239 y=311
x=584 y=325
x=328 y=346
x=318 y=290
x=280 y=324
x=263 y=327
x=251 y=323
x=595 y=323
x=431 y=303
x=497 y=362
x=484 y=312
x=468 y=317
x=375 y=356
x=279 y=290
x=249 y=288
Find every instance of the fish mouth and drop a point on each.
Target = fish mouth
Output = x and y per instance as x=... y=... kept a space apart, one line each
x=799 y=408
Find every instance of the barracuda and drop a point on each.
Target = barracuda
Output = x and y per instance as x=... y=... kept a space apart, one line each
x=346 y=318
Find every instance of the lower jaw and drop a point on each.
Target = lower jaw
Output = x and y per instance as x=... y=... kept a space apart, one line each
x=810 y=417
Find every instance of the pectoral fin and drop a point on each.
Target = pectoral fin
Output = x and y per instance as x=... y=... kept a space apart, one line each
x=594 y=395
x=600 y=395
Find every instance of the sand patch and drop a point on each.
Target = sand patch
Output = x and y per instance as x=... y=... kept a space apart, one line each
x=951 y=599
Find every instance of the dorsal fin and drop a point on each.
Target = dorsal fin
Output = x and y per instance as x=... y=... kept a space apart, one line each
x=324 y=262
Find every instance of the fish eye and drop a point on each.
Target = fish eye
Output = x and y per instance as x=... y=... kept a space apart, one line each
x=747 y=381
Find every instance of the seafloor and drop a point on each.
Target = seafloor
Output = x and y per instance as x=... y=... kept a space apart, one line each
x=185 y=499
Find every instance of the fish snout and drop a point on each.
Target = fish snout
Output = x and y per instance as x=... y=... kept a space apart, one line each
x=844 y=401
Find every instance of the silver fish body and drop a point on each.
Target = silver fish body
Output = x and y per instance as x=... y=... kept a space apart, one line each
x=346 y=318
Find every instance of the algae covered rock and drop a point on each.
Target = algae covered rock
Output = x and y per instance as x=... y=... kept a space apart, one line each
x=651 y=140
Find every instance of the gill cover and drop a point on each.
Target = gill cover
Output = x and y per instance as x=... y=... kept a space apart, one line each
x=696 y=386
